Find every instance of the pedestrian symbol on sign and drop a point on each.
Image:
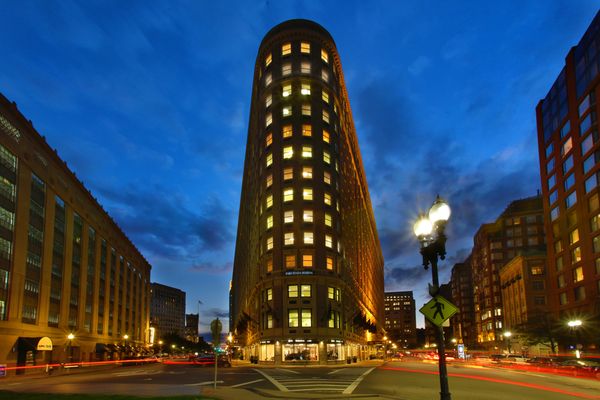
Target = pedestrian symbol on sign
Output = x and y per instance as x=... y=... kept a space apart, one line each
x=439 y=308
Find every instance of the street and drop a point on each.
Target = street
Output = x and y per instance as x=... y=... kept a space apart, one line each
x=407 y=380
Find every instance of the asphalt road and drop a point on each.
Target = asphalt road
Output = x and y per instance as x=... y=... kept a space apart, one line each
x=395 y=380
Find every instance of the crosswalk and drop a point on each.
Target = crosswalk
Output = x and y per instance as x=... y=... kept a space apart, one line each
x=342 y=381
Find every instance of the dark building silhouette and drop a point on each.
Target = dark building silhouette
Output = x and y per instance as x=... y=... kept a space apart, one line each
x=400 y=318
x=191 y=327
x=308 y=269
x=463 y=324
x=167 y=310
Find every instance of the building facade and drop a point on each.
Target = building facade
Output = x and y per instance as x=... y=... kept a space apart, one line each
x=167 y=310
x=308 y=268
x=65 y=265
x=400 y=318
x=191 y=327
x=518 y=230
x=463 y=324
x=569 y=155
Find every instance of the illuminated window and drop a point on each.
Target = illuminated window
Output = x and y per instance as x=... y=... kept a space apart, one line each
x=268 y=139
x=305 y=291
x=574 y=236
x=269 y=202
x=307 y=260
x=328 y=220
x=307 y=216
x=307 y=194
x=327 y=177
x=329 y=261
x=269 y=265
x=306 y=151
x=326 y=157
x=306 y=130
x=324 y=56
x=328 y=241
x=268 y=119
x=305 y=67
x=269 y=181
x=288 y=195
x=286 y=131
x=288 y=152
x=337 y=166
x=306 y=109
x=575 y=255
x=567 y=146
x=269 y=320
x=293 y=318
x=309 y=238
x=307 y=172
x=286 y=111
x=286 y=49
x=325 y=96
x=288 y=173
x=306 y=318
x=268 y=79
x=290 y=261
x=286 y=90
x=268 y=101
x=325 y=116
x=270 y=243
x=326 y=136
x=578 y=274
x=269 y=160
x=269 y=222
x=288 y=238
x=268 y=59
x=327 y=199
x=269 y=294
x=286 y=69
x=292 y=290
x=331 y=293
x=305 y=47
x=325 y=75
x=288 y=217
x=305 y=90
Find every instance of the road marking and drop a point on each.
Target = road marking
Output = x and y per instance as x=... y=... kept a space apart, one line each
x=273 y=381
x=148 y=379
x=202 y=383
x=247 y=383
x=354 y=384
x=334 y=371
x=288 y=370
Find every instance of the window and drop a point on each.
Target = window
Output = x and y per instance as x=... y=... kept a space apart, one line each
x=268 y=139
x=326 y=157
x=558 y=246
x=578 y=274
x=305 y=67
x=288 y=173
x=593 y=202
x=324 y=56
x=306 y=318
x=305 y=89
x=290 y=261
x=560 y=281
x=293 y=318
x=305 y=291
x=594 y=222
x=562 y=299
x=549 y=149
x=579 y=293
x=565 y=130
x=269 y=180
x=269 y=222
x=306 y=130
x=553 y=197
x=286 y=69
x=588 y=142
x=269 y=265
x=286 y=49
x=269 y=201
x=550 y=165
x=306 y=109
x=308 y=238
x=575 y=255
x=270 y=243
x=288 y=195
x=325 y=96
x=288 y=152
x=328 y=220
x=307 y=260
x=326 y=136
x=286 y=111
x=268 y=101
x=325 y=75
x=269 y=160
x=567 y=146
x=269 y=294
x=551 y=181
x=268 y=79
x=586 y=123
x=568 y=164
x=554 y=213
x=288 y=238
x=286 y=131
x=328 y=241
x=584 y=105
x=327 y=177
x=286 y=90
x=269 y=320
x=574 y=236
x=559 y=264
x=307 y=216
x=329 y=263
x=268 y=119
x=596 y=244
x=292 y=290
x=591 y=183
x=327 y=199
x=571 y=199
x=307 y=194
x=305 y=47
x=537 y=270
x=325 y=116
x=307 y=172
x=306 y=151
x=288 y=217
x=591 y=161
x=268 y=59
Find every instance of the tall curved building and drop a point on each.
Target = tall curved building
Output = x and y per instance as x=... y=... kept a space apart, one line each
x=308 y=269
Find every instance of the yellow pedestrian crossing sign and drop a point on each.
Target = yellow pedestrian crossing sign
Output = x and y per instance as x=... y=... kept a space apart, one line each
x=438 y=310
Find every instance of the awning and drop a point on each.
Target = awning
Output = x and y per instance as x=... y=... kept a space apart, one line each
x=44 y=344
x=28 y=343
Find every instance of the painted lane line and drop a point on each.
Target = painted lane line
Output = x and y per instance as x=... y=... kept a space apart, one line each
x=334 y=371
x=247 y=383
x=202 y=383
x=273 y=381
x=353 y=386
x=325 y=389
x=288 y=370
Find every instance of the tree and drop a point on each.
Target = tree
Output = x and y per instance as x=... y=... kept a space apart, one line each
x=543 y=329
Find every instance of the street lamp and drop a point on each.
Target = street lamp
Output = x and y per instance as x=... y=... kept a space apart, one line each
x=70 y=337
x=507 y=335
x=430 y=232
x=125 y=337
x=574 y=325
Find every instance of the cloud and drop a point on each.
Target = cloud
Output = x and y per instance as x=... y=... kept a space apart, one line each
x=212 y=268
x=419 y=65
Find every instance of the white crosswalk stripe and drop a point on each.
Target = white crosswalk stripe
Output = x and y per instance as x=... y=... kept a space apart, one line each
x=286 y=382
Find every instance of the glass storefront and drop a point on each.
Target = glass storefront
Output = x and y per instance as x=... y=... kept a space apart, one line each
x=267 y=352
x=336 y=352
x=300 y=352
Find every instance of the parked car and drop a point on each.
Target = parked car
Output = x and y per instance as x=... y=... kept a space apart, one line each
x=513 y=360
x=497 y=357
x=209 y=360
x=581 y=365
x=543 y=361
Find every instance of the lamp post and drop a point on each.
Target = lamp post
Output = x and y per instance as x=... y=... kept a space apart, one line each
x=430 y=232
x=70 y=337
x=507 y=336
x=574 y=325
x=125 y=337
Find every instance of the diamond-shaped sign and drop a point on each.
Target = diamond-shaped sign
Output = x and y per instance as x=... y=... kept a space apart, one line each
x=438 y=310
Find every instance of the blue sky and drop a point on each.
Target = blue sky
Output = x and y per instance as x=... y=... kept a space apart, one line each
x=148 y=103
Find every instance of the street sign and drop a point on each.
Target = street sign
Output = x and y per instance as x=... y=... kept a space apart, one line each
x=461 y=351
x=216 y=327
x=438 y=310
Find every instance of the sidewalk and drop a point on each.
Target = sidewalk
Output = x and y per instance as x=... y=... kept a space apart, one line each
x=365 y=363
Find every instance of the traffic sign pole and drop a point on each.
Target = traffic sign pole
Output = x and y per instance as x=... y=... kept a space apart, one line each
x=216 y=327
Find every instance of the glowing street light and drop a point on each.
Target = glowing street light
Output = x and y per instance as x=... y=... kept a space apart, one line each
x=507 y=335
x=574 y=325
x=70 y=337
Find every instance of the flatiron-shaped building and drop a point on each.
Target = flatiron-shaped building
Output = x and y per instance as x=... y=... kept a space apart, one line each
x=308 y=269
